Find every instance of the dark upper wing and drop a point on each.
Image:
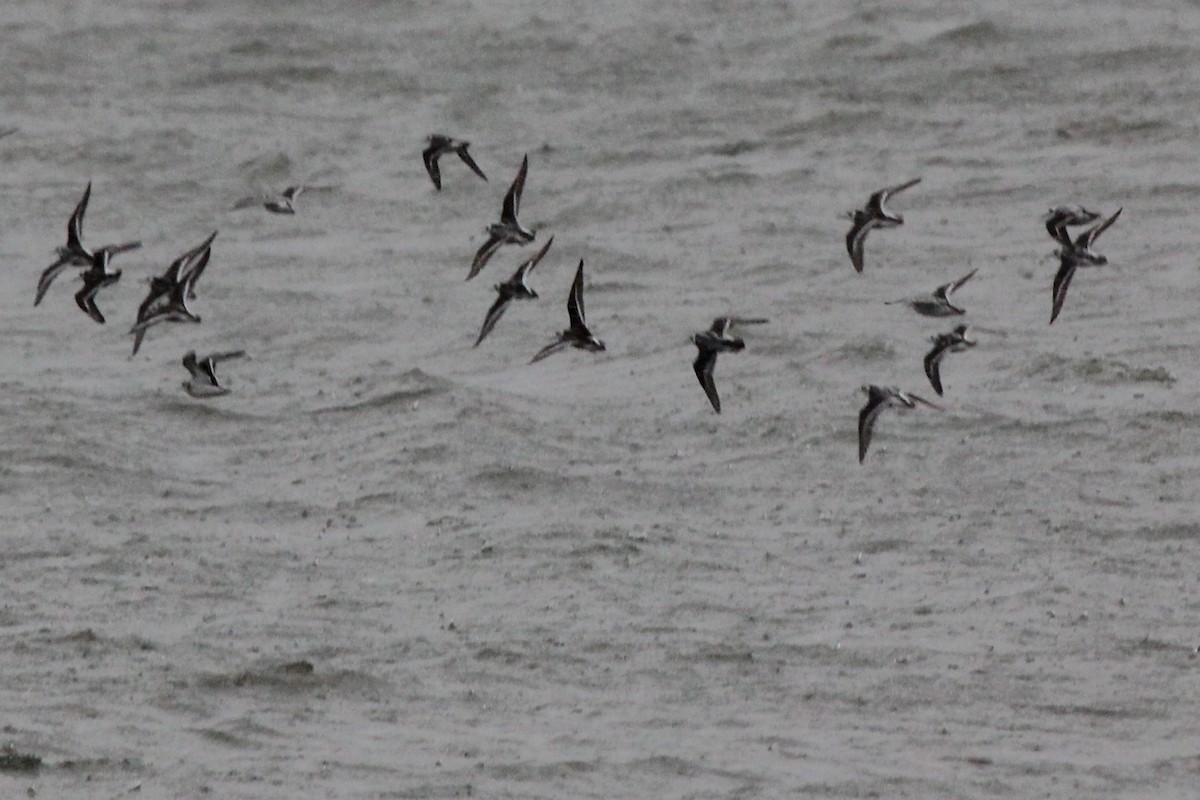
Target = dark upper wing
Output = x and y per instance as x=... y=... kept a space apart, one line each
x=470 y=162
x=189 y=363
x=912 y=399
x=875 y=204
x=953 y=287
x=933 y=361
x=493 y=316
x=216 y=358
x=706 y=359
x=48 y=275
x=549 y=349
x=1056 y=226
x=1085 y=240
x=196 y=270
x=485 y=253
x=75 y=224
x=1062 y=280
x=430 y=156
x=85 y=298
x=856 y=237
x=159 y=288
x=512 y=200
x=866 y=422
x=533 y=262
x=575 y=300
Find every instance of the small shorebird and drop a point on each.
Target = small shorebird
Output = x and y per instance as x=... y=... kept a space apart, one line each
x=515 y=288
x=73 y=253
x=1077 y=254
x=1060 y=217
x=879 y=398
x=938 y=304
x=169 y=292
x=874 y=214
x=578 y=334
x=439 y=145
x=283 y=203
x=204 y=383
x=711 y=342
x=507 y=230
x=953 y=342
x=96 y=278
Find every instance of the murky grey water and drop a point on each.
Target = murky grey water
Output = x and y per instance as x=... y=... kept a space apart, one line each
x=573 y=579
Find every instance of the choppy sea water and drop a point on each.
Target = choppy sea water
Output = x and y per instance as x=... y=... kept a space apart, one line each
x=391 y=565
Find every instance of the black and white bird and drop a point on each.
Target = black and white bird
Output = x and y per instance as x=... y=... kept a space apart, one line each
x=578 y=334
x=439 y=145
x=508 y=230
x=282 y=203
x=879 y=398
x=711 y=342
x=875 y=214
x=73 y=253
x=944 y=343
x=1075 y=254
x=167 y=299
x=1059 y=218
x=203 y=382
x=515 y=288
x=938 y=304
x=95 y=278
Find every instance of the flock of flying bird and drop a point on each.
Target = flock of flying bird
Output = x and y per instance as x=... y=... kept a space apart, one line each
x=169 y=293
x=1072 y=253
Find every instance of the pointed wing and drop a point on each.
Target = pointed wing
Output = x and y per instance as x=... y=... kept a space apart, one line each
x=746 y=321
x=875 y=204
x=933 y=361
x=951 y=288
x=533 y=262
x=470 y=162
x=485 y=253
x=75 y=224
x=430 y=156
x=856 y=237
x=891 y=190
x=916 y=398
x=48 y=275
x=85 y=298
x=493 y=316
x=512 y=200
x=113 y=249
x=703 y=365
x=575 y=300
x=866 y=421
x=1062 y=281
x=195 y=271
x=1085 y=240
x=549 y=349
x=138 y=335
x=247 y=202
x=217 y=358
